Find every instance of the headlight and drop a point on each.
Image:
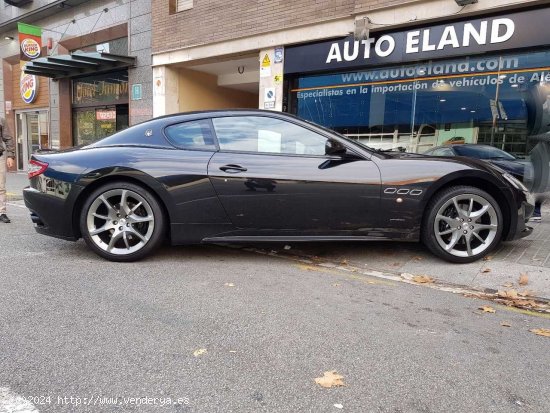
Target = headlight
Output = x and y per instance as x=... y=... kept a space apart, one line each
x=516 y=183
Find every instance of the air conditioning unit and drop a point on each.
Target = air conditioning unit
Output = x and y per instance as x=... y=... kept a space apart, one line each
x=465 y=2
x=17 y=3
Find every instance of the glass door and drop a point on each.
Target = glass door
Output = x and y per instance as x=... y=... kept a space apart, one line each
x=32 y=132
x=20 y=141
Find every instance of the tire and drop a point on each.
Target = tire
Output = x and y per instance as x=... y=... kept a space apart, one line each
x=122 y=222
x=466 y=235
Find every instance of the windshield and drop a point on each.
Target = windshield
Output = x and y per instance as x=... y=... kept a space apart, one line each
x=482 y=152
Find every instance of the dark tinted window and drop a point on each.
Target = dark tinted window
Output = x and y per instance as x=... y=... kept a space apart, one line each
x=482 y=152
x=267 y=135
x=191 y=135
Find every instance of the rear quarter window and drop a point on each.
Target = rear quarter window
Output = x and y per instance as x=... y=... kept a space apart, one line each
x=195 y=135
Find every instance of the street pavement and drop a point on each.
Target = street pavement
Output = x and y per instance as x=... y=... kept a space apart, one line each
x=228 y=330
x=501 y=270
x=15 y=182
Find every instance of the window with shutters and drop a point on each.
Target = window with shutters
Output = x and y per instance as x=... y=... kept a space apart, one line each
x=182 y=5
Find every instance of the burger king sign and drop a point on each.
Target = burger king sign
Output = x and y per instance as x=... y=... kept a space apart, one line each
x=28 y=86
x=30 y=48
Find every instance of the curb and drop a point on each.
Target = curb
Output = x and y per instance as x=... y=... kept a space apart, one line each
x=481 y=293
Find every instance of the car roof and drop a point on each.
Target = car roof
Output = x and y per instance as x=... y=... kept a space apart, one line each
x=238 y=111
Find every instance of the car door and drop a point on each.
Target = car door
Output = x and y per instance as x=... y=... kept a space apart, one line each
x=274 y=174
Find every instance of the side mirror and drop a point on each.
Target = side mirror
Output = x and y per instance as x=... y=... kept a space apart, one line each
x=334 y=148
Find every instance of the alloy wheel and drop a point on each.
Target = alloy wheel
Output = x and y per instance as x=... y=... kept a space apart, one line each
x=466 y=225
x=120 y=221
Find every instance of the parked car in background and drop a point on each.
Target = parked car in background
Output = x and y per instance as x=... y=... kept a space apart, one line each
x=252 y=176
x=456 y=140
x=498 y=157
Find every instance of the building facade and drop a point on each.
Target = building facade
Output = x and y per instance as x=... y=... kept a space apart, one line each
x=75 y=101
x=409 y=74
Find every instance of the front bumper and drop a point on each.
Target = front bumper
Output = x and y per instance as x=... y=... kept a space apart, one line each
x=524 y=212
x=50 y=214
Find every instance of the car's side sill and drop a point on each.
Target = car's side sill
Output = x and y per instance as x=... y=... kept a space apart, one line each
x=292 y=238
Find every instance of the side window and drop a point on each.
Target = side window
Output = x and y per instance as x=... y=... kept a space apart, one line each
x=267 y=135
x=191 y=135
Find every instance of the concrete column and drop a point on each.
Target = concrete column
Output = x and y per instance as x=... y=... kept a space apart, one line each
x=165 y=91
x=271 y=79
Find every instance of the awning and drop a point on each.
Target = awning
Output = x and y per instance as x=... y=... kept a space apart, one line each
x=77 y=64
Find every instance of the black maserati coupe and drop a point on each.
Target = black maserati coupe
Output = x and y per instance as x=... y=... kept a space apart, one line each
x=252 y=176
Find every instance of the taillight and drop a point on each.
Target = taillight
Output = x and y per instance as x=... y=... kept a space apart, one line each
x=36 y=168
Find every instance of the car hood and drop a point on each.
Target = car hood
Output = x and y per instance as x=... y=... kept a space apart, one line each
x=513 y=167
x=492 y=168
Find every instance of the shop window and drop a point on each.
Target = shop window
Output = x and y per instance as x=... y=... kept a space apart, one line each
x=497 y=100
x=100 y=106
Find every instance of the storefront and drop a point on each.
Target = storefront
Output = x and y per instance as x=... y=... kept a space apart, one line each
x=68 y=72
x=29 y=104
x=484 y=80
x=100 y=106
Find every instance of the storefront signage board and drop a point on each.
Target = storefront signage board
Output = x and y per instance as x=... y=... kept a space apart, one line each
x=30 y=42
x=511 y=31
x=105 y=114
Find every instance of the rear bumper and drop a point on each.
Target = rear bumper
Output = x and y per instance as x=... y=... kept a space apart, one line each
x=50 y=214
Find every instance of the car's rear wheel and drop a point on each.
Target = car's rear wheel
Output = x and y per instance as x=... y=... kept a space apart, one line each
x=462 y=224
x=122 y=221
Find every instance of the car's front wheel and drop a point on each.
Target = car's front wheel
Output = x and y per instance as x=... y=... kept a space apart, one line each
x=462 y=224
x=122 y=221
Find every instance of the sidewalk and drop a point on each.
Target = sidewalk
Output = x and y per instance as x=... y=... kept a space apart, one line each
x=15 y=182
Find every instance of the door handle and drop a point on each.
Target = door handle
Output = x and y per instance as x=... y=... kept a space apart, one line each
x=233 y=169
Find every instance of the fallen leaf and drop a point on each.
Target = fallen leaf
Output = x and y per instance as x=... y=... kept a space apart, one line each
x=507 y=294
x=199 y=352
x=541 y=332
x=488 y=258
x=229 y=285
x=330 y=379
x=486 y=270
x=523 y=279
x=505 y=324
x=487 y=309
x=344 y=262
x=508 y=285
x=522 y=303
x=418 y=258
x=422 y=279
x=526 y=293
